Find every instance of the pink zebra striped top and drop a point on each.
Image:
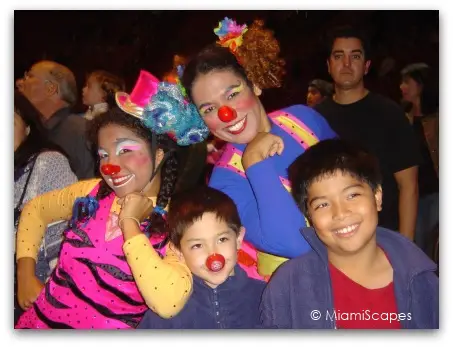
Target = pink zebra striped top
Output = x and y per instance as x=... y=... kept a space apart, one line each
x=92 y=286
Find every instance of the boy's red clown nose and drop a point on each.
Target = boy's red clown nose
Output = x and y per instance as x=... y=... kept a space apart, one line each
x=110 y=169
x=215 y=262
x=226 y=114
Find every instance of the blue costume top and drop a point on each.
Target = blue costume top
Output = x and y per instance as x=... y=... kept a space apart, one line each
x=261 y=193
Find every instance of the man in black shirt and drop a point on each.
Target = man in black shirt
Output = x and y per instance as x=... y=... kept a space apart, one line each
x=376 y=123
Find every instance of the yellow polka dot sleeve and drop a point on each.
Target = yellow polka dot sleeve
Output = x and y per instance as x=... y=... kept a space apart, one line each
x=45 y=209
x=165 y=284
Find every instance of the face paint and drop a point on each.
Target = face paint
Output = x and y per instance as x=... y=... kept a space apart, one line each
x=205 y=108
x=102 y=154
x=229 y=94
x=225 y=88
x=245 y=104
x=233 y=91
x=121 y=146
x=214 y=123
x=132 y=147
x=128 y=145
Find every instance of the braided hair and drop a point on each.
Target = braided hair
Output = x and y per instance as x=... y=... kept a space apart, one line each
x=169 y=165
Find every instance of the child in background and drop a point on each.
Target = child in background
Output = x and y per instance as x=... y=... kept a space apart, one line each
x=99 y=92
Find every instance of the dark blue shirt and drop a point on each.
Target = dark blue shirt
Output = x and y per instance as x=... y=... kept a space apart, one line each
x=232 y=305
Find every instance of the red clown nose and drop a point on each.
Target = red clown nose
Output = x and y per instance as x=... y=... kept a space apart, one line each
x=109 y=169
x=215 y=262
x=226 y=114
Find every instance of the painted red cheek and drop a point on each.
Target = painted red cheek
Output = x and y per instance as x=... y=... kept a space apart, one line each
x=213 y=122
x=144 y=159
x=136 y=160
x=110 y=169
x=246 y=104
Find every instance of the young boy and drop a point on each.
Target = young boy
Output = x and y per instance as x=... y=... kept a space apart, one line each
x=204 y=222
x=358 y=275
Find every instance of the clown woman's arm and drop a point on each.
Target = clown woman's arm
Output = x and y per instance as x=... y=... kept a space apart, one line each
x=45 y=209
x=165 y=284
x=279 y=218
x=268 y=212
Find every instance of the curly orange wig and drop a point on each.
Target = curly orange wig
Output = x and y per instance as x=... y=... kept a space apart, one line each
x=255 y=57
x=259 y=55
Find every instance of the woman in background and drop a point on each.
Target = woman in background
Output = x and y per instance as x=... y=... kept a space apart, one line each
x=39 y=167
x=420 y=93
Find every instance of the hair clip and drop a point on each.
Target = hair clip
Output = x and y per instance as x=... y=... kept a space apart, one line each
x=230 y=34
x=83 y=209
x=160 y=211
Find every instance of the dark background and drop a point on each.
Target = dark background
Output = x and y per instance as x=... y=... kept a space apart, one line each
x=124 y=42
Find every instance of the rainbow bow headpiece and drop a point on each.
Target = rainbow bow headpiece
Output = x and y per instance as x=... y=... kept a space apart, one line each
x=163 y=109
x=230 y=34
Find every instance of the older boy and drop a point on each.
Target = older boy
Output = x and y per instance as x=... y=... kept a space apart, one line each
x=358 y=275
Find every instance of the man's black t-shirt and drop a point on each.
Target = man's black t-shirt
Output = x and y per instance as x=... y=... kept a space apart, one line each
x=378 y=124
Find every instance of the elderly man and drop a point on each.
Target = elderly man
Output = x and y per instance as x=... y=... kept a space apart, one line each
x=52 y=89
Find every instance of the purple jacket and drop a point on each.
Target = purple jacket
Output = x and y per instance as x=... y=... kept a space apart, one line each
x=302 y=286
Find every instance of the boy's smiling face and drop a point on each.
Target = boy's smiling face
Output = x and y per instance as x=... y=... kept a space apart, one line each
x=344 y=212
x=204 y=237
